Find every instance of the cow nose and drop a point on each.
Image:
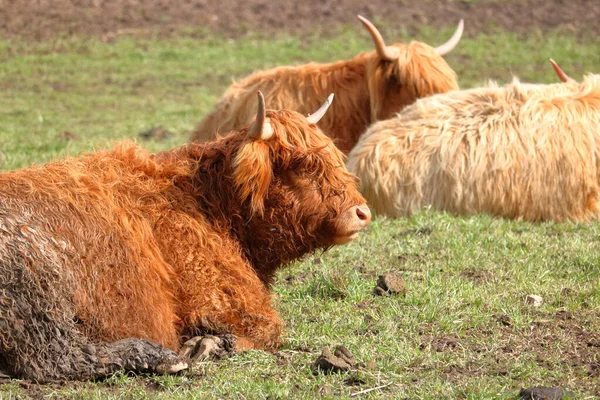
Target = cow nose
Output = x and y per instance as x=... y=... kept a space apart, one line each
x=364 y=215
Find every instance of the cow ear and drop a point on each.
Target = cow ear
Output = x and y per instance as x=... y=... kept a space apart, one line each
x=261 y=129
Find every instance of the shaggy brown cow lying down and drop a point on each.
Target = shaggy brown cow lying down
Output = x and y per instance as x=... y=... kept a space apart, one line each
x=370 y=87
x=109 y=261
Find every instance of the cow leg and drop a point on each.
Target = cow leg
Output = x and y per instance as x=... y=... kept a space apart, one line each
x=37 y=345
x=46 y=349
x=135 y=355
x=239 y=307
x=40 y=337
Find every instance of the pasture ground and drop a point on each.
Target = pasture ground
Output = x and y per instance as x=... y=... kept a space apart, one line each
x=76 y=75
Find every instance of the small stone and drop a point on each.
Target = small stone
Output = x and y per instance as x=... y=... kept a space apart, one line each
x=390 y=283
x=534 y=300
x=543 y=393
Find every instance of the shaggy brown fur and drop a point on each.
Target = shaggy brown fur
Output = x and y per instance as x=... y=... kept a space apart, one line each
x=367 y=89
x=521 y=151
x=125 y=244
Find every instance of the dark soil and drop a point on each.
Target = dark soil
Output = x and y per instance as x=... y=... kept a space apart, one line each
x=42 y=19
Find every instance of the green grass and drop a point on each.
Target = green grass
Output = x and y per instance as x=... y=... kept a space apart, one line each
x=463 y=330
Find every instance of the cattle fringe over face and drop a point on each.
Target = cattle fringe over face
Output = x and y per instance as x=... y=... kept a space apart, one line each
x=520 y=151
x=369 y=87
x=107 y=262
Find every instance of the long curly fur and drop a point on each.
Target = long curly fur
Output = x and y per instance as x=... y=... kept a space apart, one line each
x=367 y=89
x=125 y=244
x=520 y=151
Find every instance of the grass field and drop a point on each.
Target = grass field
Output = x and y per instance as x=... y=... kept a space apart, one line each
x=463 y=330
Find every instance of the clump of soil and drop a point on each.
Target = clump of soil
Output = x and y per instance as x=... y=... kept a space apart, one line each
x=390 y=283
x=534 y=300
x=341 y=360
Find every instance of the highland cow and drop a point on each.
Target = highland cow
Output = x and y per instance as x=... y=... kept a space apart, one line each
x=521 y=151
x=110 y=261
x=369 y=87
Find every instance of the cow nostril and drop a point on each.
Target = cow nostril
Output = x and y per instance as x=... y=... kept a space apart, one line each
x=363 y=213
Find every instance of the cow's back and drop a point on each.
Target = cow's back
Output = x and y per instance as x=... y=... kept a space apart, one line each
x=302 y=89
x=516 y=152
x=86 y=222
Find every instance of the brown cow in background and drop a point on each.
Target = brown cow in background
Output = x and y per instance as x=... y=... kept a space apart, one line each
x=107 y=258
x=370 y=87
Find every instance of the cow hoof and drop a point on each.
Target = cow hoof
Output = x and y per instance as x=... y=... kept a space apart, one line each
x=201 y=348
x=189 y=347
x=168 y=368
x=208 y=346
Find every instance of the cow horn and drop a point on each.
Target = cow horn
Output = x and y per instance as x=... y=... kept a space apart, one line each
x=317 y=115
x=561 y=74
x=452 y=42
x=260 y=129
x=384 y=52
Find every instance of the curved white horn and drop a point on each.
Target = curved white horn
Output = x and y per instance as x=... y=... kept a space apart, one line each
x=260 y=129
x=452 y=42
x=384 y=52
x=561 y=74
x=317 y=115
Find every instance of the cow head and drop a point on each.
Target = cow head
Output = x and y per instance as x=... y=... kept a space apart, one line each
x=399 y=74
x=297 y=192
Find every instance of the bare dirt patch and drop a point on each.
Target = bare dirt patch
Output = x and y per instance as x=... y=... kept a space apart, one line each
x=440 y=343
x=44 y=19
x=479 y=276
x=558 y=340
x=562 y=343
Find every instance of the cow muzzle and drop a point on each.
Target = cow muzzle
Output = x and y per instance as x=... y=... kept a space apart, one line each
x=351 y=222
